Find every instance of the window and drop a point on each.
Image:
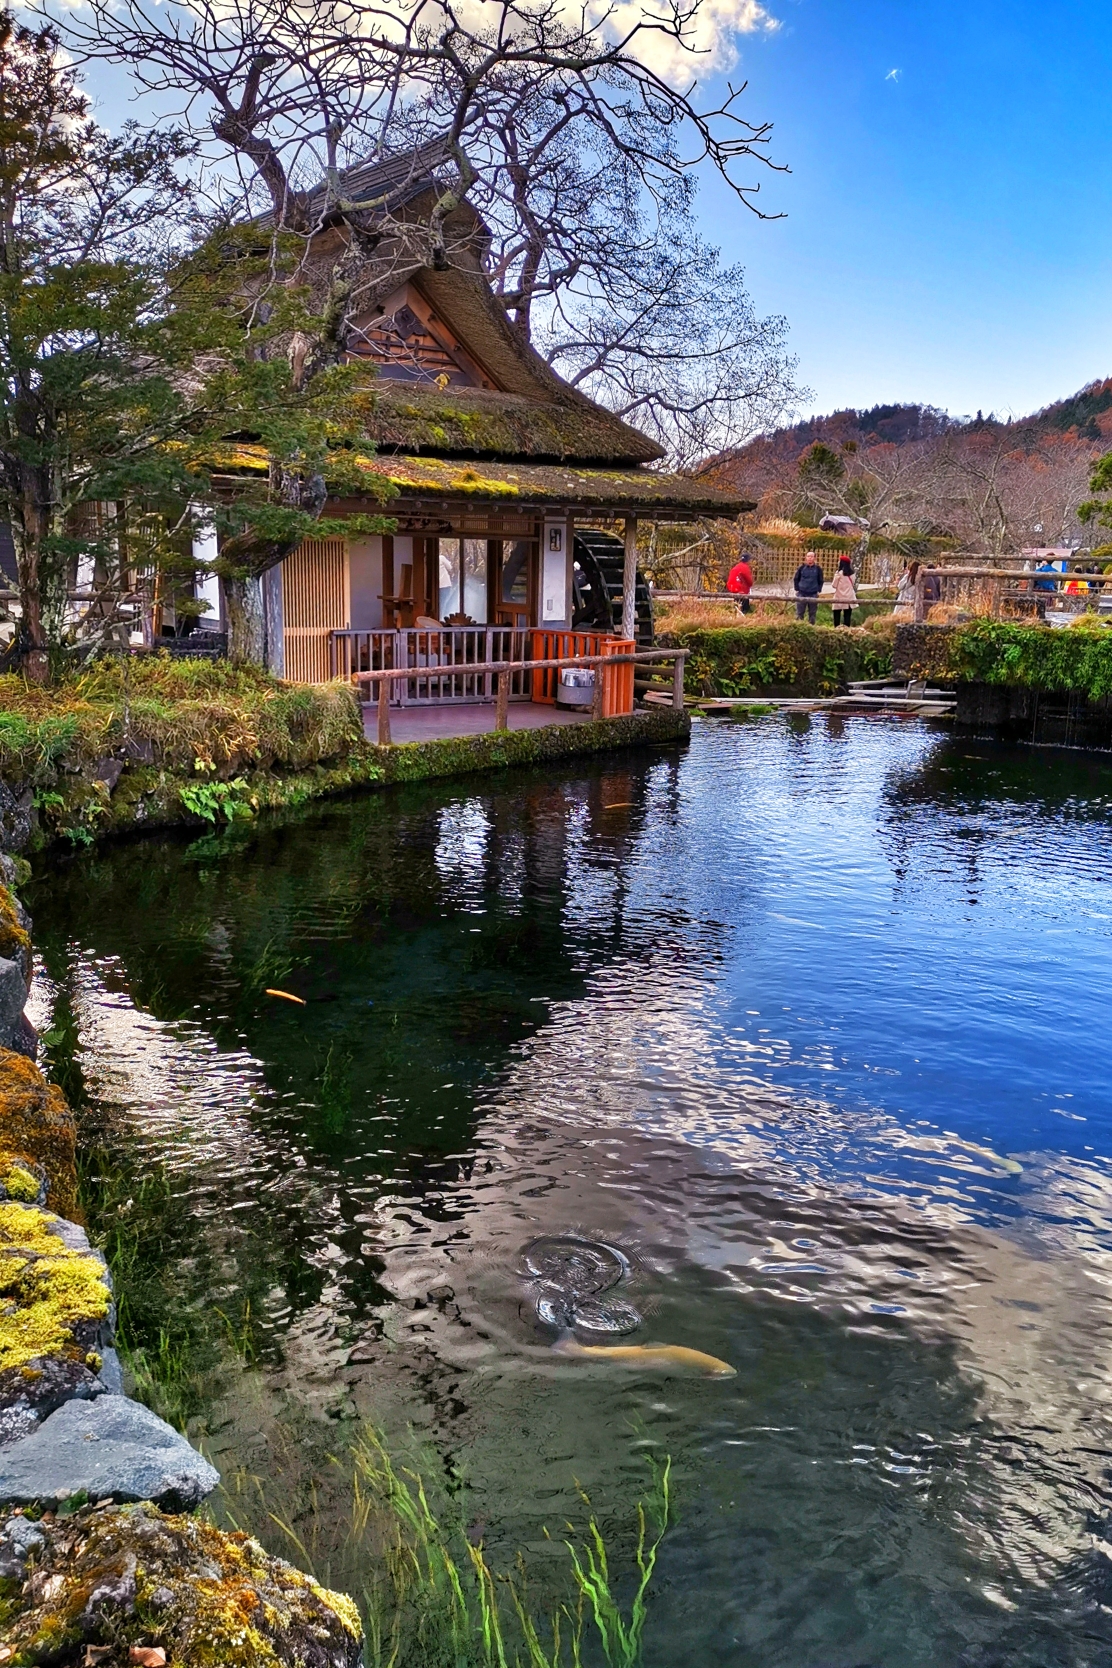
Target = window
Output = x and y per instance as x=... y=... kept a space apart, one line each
x=463 y=578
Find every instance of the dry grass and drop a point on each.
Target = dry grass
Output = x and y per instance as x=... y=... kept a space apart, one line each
x=714 y=616
x=187 y=714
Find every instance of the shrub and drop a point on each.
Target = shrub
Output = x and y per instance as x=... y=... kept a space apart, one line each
x=1001 y=652
x=805 y=659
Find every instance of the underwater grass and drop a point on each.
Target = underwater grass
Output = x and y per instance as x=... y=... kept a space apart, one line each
x=428 y=1593
x=361 y=1520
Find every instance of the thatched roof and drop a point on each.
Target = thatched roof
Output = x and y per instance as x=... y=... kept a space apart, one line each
x=482 y=423
x=424 y=485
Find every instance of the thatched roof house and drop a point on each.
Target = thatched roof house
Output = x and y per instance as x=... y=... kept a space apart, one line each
x=493 y=460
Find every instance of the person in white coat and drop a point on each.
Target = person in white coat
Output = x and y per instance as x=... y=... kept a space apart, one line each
x=844 y=599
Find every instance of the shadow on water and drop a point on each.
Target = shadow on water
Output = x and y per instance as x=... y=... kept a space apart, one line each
x=733 y=1011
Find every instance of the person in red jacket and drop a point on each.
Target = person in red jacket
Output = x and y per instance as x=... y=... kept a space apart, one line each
x=740 y=581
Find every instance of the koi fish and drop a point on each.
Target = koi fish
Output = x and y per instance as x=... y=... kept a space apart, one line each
x=659 y=1357
x=286 y=997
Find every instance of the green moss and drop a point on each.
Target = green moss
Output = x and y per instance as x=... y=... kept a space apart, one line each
x=46 y=1290
x=151 y=796
x=1077 y=661
x=19 y=1183
x=14 y=938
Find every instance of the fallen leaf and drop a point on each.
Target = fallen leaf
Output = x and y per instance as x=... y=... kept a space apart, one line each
x=97 y=1653
x=147 y=1656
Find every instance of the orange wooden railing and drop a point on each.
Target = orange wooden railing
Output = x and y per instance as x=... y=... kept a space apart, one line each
x=617 y=681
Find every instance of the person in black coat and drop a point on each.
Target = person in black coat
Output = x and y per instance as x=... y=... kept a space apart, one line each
x=807 y=585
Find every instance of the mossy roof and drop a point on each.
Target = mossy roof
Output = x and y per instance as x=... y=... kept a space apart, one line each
x=427 y=485
x=527 y=486
x=480 y=422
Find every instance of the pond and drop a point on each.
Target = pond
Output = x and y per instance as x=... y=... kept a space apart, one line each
x=805 y=1021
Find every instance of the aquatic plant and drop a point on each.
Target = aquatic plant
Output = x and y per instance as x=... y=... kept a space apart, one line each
x=430 y=1596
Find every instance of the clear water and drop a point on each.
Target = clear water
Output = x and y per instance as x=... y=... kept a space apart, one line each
x=810 y=1020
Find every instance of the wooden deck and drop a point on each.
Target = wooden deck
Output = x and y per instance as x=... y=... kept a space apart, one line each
x=439 y=722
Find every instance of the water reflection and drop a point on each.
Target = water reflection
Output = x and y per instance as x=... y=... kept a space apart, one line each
x=735 y=1013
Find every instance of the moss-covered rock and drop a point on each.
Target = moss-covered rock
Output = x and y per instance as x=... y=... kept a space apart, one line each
x=118 y=1578
x=21 y=1180
x=151 y=796
x=55 y=1316
x=37 y=1131
x=15 y=937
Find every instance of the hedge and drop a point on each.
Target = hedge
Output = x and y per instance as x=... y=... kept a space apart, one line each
x=792 y=658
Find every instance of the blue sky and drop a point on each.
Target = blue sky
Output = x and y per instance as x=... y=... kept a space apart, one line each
x=948 y=234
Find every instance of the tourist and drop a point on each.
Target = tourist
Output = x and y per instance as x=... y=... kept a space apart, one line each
x=905 y=592
x=740 y=580
x=845 y=593
x=807 y=584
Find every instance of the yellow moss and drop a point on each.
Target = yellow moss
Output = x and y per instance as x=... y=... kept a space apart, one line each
x=222 y=1601
x=19 y=1182
x=45 y=1288
x=36 y=1125
x=13 y=937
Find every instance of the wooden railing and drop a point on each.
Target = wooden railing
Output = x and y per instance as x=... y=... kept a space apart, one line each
x=504 y=671
x=442 y=662
x=549 y=642
x=1022 y=585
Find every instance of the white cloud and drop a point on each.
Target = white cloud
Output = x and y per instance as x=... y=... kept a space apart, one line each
x=710 y=39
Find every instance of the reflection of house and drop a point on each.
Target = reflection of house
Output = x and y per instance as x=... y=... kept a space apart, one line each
x=495 y=460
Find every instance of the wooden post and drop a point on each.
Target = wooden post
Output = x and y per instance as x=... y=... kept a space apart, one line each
x=677 y=682
x=502 y=702
x=629 y=579
x=920 y=597
x=596 y=694
x=384 y=712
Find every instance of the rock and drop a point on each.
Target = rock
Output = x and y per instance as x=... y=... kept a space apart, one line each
x=17 y=816
x=15 y=932
x=14 y=871
x=56 y=1317
x=111 y=1374
x=19 y=1539
x=36 y=1125
x=13 y=994
x=111 y=1448
x=23 y=1182
x=172 y=1589
x=108 y=771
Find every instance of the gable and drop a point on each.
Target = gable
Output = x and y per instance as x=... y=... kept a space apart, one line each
x=407 y=340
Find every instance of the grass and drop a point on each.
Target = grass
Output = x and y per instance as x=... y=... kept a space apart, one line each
x=208 y=716
x=673 y=618
x=429 y=1595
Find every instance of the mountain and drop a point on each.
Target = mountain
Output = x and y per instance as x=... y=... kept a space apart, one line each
x=988 y=484
x=771 y=460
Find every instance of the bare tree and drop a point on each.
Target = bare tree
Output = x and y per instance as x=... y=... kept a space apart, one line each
x=573 y=135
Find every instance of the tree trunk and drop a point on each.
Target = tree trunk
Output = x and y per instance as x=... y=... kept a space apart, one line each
x=243 y=597
x=30 y=536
